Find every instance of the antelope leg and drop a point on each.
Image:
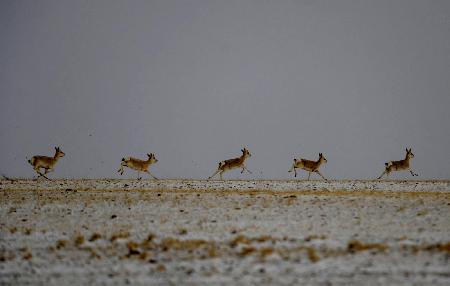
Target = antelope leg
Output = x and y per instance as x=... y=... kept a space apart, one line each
x=381 y=175
x=148 y=172
x=317 y=171
x=246 y=169
x=215 y=173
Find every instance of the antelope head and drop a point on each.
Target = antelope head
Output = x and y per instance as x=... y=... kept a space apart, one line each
x=409 y=153
x=322 y=159
x=246 y=153
x=152 y=158
x=59 y=153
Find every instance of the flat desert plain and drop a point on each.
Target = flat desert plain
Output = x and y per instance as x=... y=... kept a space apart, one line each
x=192 y=232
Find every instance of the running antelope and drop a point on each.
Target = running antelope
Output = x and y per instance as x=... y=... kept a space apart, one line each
x=48 y=163
x=309 y=166
x=138 y=165
x=233 y=164
x=402 y=165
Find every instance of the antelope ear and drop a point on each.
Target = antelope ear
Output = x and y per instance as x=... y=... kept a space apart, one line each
x=242 y=150
x=320 y=154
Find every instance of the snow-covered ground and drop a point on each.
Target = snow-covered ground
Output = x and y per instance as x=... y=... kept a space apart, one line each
x=229 y=185
x=174 y=232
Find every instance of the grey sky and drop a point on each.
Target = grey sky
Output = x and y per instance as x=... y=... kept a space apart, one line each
x=195 y=81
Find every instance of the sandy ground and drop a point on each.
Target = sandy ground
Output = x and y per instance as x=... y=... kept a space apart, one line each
x=173 y=232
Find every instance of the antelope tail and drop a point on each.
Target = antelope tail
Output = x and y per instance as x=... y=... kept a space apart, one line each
x=292 y=167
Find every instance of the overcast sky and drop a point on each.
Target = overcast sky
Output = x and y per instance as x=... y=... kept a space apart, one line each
x=195 y=81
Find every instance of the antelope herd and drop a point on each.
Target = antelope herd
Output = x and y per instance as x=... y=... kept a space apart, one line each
x=48 y=164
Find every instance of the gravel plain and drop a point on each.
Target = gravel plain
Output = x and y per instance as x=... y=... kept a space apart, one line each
x=193 y=232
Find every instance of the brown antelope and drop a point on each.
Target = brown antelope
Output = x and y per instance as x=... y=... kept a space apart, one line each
x=48 y=163
x=309 y=166
x=138 y=165
x=402 y=165
x=233 y=164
